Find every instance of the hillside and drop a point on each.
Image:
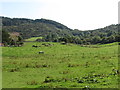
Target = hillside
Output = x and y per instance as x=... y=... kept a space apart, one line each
x=53 y=31
x=46 y=54
x=33 y=28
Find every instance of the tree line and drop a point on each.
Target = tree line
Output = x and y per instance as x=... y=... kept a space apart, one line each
x=78 y=40
x=52 y=31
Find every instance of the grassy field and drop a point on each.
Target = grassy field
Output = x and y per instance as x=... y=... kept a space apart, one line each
x=61 y=66
x=33 y=38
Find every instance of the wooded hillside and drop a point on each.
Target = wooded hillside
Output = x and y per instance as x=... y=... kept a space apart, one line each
x=56 y=32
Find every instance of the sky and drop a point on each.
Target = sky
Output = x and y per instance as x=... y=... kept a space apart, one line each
x=76 y=14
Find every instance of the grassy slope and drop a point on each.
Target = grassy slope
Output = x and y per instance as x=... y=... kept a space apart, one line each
x=60 y=66
x=33 y=38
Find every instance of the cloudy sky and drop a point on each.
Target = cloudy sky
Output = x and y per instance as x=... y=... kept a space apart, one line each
x=76 y=14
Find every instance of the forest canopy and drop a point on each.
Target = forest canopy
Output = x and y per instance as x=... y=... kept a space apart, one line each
x=52 y=31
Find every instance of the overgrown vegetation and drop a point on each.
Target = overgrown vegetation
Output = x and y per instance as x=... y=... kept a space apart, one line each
x=52 y=31
x=11 y=39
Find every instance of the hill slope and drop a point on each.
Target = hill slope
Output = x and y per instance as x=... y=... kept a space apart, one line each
x=47 y=28
x=32 y=28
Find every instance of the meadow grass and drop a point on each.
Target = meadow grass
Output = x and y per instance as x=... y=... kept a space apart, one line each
x=33 y=38
x=61 y=66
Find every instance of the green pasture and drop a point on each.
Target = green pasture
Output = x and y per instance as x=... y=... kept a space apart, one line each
x=33 y=38
x=60 y=66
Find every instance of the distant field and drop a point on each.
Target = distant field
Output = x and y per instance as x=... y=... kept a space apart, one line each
x=33 y=38
x=61 y=66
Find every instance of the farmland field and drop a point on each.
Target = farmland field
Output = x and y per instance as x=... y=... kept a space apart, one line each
x=60 y=66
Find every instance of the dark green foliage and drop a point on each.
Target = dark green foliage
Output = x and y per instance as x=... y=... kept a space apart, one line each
x=52 y=31
x=5 y=37
x=58 y=25
x=33 y=28
x=8 y=39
